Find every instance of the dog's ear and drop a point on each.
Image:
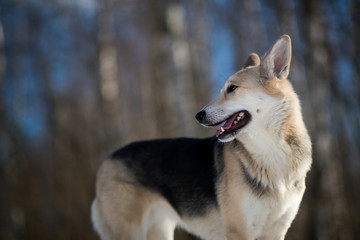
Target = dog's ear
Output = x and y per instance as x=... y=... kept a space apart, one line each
x=252 y=61
x=276 y=61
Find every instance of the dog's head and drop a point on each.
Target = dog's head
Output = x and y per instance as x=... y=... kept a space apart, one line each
x=254 y=96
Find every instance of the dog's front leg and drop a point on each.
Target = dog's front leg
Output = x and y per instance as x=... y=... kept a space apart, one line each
x=235 y=234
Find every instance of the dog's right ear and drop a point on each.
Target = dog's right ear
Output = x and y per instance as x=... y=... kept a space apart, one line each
x=252 y=61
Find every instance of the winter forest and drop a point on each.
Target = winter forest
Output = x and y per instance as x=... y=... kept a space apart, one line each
x=80 y=78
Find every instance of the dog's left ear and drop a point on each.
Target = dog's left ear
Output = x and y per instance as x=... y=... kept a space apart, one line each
x=276 y=61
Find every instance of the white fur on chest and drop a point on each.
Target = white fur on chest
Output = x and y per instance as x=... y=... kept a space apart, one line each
x=269 y=217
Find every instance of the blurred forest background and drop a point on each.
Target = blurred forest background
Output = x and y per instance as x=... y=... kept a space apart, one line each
x=80 y=78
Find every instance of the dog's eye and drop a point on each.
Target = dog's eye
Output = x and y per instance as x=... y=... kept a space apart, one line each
x=231 y=88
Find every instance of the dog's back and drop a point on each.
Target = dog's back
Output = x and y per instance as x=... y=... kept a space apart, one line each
x=177 y=169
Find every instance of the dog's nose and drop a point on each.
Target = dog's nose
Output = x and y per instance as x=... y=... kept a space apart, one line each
x=200 y=115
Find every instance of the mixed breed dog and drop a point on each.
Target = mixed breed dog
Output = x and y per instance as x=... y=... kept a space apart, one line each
x=245 y=183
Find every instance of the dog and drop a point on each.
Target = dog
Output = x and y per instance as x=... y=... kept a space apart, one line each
x=245 y=183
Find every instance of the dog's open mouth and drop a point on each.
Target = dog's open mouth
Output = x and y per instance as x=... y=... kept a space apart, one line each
x=234 y=123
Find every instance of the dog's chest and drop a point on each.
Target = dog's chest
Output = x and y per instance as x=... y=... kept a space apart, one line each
x=269 y=216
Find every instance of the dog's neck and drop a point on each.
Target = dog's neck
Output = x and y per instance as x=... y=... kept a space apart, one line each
x=280 y=144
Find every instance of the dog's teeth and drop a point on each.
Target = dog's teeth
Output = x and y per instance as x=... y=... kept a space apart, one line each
x=241 y=115
x=235 y=122
x=222 y=130
x=238 y=118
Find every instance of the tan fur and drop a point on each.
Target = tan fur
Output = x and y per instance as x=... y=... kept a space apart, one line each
x=112 y=193
x=229 y=199
x=274 y=149
x=122 y=210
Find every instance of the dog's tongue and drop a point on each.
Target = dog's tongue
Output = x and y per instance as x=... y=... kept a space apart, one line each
x=227 y=124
